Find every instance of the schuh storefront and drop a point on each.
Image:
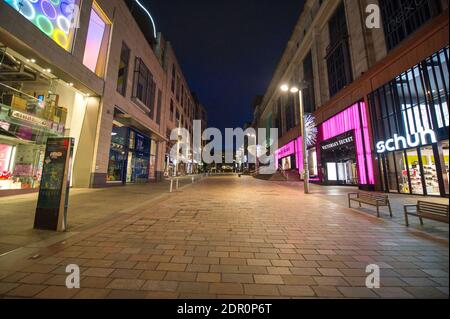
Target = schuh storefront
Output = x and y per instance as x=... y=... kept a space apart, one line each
x=410 y=117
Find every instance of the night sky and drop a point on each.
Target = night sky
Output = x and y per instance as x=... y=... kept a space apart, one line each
x=228 y=49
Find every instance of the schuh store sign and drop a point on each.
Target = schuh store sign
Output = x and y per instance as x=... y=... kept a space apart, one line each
x=399 y=142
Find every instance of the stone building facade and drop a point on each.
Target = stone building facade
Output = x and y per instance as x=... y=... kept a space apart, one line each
x=340 y=64
x=103 y=81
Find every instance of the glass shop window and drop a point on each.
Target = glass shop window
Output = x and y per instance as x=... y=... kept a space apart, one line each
x=429 y=171
x=444 y=153
x=123 y=70
x=97 y=41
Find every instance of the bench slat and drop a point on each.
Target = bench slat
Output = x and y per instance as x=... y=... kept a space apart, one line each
x=433 y=208
x=435 y=217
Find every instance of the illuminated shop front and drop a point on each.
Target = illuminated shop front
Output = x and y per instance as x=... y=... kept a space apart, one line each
x=287 y=157
x=34 y=105
x=411 y=123
x=55 y=18
x=343 y=149
x=132 y=157
x=342 y=154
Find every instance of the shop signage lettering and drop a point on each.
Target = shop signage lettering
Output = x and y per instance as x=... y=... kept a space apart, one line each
x=31 y=119
x=400 y=142
x=38 y=121
x=338 y=143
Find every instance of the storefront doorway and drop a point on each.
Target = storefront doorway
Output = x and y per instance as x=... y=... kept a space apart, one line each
x=35 y=105
x=129 y=160
x=338 y=158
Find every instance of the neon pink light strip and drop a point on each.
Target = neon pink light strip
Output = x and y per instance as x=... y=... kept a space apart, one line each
x=348 y=120
x=285 y=151
x=341 y=123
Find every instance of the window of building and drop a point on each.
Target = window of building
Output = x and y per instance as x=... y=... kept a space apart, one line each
x=123 y=69
x=290 y=112
x=278 y=113
x=144 y=87
x=171 y=110
x=182 y=95
x=97 y=42
x=338 y=53
x=174 y=72
x=178 y=88
x=403 y=17
x=309 y=100
x=159 y=107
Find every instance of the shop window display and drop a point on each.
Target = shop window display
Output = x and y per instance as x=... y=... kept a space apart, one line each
x=444 y=155
x=34 y=105
x=411 y=119
x=129 y=159
x=415 y=173
x=429 y=171
x=402 y=172
x=391 y=175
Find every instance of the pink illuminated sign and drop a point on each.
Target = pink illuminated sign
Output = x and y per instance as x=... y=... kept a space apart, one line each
x=353 y=118
x=286 y=150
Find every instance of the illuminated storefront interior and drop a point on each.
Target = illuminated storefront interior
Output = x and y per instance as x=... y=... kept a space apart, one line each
x=34 y=105
x=342 y=154
x=132 y=156
x=55 y=18
x=411 y=122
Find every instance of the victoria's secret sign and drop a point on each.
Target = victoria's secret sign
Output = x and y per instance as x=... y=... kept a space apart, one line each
x=338 y=141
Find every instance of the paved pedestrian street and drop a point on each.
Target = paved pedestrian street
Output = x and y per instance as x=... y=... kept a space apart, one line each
x=230 y=237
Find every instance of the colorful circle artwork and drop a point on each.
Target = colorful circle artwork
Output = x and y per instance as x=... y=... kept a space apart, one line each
x=55 y=18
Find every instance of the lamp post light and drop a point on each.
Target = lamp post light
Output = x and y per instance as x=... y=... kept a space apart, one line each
x=294 y=89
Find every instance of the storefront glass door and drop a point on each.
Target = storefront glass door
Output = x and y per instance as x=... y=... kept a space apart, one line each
x=130 y=166
x=402 y=172
x=444 y=154
x=415 y=173
x=429 y=171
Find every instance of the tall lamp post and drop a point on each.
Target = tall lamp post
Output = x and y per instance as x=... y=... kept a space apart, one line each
x=294 y=89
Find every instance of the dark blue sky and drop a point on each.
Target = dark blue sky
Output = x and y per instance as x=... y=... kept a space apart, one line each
x=228 y=49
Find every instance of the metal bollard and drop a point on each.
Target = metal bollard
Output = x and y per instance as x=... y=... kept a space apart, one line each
x=177 y=184
x=193 y=179
x=171 y=185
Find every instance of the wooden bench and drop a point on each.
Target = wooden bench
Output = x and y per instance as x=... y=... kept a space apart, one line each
x=376 y=200
x=427 y=210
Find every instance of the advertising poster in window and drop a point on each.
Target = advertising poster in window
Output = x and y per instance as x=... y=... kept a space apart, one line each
x=286 y=163
x=51 y=211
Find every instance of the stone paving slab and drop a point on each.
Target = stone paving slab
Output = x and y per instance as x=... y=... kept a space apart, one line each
x=230 y=237
x=87 y=206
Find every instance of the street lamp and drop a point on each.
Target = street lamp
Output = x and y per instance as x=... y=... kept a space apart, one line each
x=294 y=89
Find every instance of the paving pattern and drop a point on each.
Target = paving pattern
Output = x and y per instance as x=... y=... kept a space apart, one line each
x=230 y=237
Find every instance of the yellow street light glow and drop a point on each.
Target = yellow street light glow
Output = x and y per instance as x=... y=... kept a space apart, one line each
x=285 y=88
x=294 y=90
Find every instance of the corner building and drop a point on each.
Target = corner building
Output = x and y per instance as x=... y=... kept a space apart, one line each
x=367 y=87
x=101 y=81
